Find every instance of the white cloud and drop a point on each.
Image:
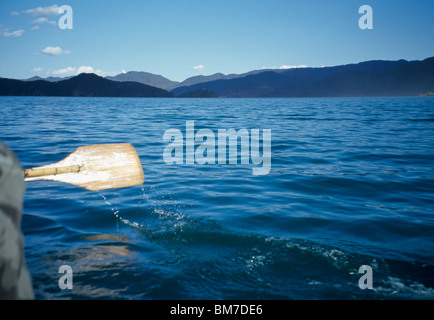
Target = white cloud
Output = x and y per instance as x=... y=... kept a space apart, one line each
x=285 y=67
x=17 y=33
x=51 y=11
x=44 y=20
x=293 y=67
x=69 y=71
x=14 y=13
x=34 y=28
x=199 y=67
x=87 y=69
x=36 y=70
x=54 y=51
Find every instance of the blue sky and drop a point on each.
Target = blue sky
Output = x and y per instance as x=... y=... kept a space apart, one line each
x=179 y=39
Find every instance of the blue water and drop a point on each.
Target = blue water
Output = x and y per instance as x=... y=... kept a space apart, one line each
x=351 y=184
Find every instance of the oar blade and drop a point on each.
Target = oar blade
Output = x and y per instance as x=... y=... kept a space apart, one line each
x=106 y=166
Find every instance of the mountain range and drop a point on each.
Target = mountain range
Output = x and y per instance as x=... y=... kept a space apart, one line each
x=83 y=85
x=164 y=83
x=370 y=78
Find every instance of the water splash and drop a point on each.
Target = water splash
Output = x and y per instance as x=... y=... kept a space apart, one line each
x=155 y=211
x=116 y=213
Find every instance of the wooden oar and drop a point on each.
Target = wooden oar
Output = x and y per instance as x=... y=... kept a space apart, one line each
x=97 y=167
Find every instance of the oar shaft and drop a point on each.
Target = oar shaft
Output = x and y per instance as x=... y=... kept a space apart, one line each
x=40 y=172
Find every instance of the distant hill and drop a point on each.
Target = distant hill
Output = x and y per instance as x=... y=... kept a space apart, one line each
x=217 y=76
x=33 y=78
x=50 y=79
x=166 y=84
x=145 y=78
x=201 y=79
x=370 y=78
x=83 y=85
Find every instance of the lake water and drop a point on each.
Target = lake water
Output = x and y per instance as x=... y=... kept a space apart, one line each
x=351 y=184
